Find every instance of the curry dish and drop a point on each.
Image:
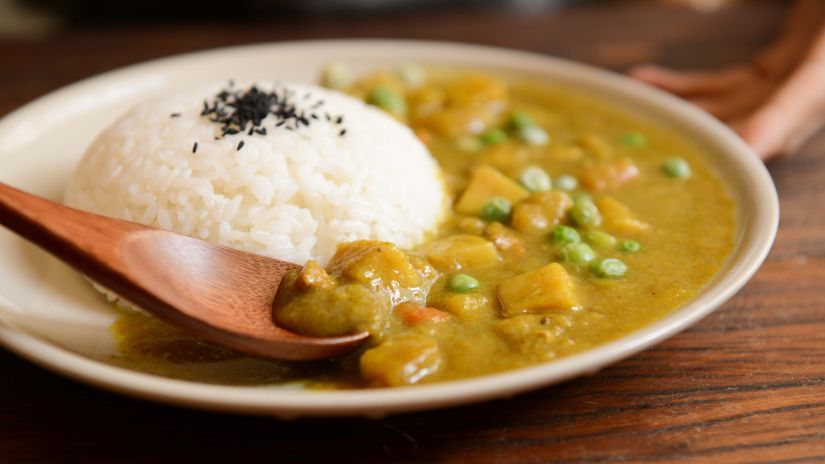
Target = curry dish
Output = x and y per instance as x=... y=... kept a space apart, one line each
x=572 y=224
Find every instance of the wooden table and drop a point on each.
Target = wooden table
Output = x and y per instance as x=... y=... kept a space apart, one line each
x=745 y=384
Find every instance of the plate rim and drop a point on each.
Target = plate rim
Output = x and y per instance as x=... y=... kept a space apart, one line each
x=379 y=402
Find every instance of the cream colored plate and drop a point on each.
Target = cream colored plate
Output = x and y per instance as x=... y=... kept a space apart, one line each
x=51 y=316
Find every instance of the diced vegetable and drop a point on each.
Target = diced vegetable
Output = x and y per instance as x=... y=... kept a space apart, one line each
x=313 y=275
x=566 y=183
x=527 y=335
x=609 y=268
x=469 y=143
x=461 y=252
x=469 y=306
x=549 y=288
x=584 y=213
x=578 y=253
x=676 y=168
x=404 y=359
x=564 y=235
x=609 y=175
x=388 y=100
x=374 y=263
x=497 y=209
x=337 y=75
x=535 y=179
x=630 y=246
x=342 y=310
x=413 y=314
x=634 y=139
x=493 y=136
x=506 y=240
x=618 y=219
x=411 y=74
x=533 y=135
x=462 y=283
x=485 y=184
x=596 y=146
x=520 y=120
x=541 y=211
x=600 y=239
x=472 y=225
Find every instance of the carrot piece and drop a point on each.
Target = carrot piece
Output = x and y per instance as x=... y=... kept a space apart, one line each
x=413 y=314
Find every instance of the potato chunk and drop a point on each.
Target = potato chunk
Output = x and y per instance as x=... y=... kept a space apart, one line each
x=465 y=306
x=617 y=218
x=546 y=289
x=403 y=360
x=609 y=175
x=375 y=264
x=461 y=252
x=485 y=184
x=541 y=212
x=314 y=276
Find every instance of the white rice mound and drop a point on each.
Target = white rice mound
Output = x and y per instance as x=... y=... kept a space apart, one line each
x=291 y=194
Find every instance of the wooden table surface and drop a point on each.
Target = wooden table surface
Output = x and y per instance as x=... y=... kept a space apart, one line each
x=745 y=384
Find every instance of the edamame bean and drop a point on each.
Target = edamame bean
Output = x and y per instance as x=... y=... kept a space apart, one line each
x=676 y=168
x=535 y=179
x=584 y=213
x=493 y=137
x=609 y=268
x=600 y=239
x=564 y=235
x=630 y=246
x=634 y=140
x=388 y=100
x=578 y=253
x=462 y=283
x=566 y=183
x=497 y=209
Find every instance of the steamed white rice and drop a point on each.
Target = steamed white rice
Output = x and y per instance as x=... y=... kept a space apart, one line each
x=292 y=195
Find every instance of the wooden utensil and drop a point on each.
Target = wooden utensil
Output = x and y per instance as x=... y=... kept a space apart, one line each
x=217 y=293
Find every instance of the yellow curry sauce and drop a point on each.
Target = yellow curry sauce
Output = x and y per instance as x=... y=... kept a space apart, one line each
x=572 y=225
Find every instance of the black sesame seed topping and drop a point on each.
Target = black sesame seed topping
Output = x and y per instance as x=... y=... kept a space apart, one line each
x=242 y=111
x=342 y=133
x=174 y=115
x=195 y=147
x=240 y=145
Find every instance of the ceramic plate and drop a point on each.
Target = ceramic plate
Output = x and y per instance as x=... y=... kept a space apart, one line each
x=51 y=316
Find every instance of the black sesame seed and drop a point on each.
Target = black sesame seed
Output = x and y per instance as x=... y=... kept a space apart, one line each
x=195 y=147
x=240 y=145
x=342 y=133
x=280 y=123
x=174 y=115
x=339 y=119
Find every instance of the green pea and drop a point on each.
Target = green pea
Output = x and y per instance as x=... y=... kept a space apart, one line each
x=497 y=209
x=564 y=235
x=493 y=137
x=630 y=246
x=676 y=168
x=566 y=183
x=411 y=73
x=337 y=75
x=578 y=253
x=535 y=180
x=634 y=140
x=609 y=268
x=600 y=239
x=462 y=283
x=469 y=144
x=584 y=213
x=533 y=135
x=388 y=100
x=520 y=120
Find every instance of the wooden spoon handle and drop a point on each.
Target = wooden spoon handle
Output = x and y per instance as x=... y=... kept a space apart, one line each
x=86 y=241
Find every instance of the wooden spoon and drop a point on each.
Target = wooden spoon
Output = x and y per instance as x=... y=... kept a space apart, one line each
x=217 y=293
